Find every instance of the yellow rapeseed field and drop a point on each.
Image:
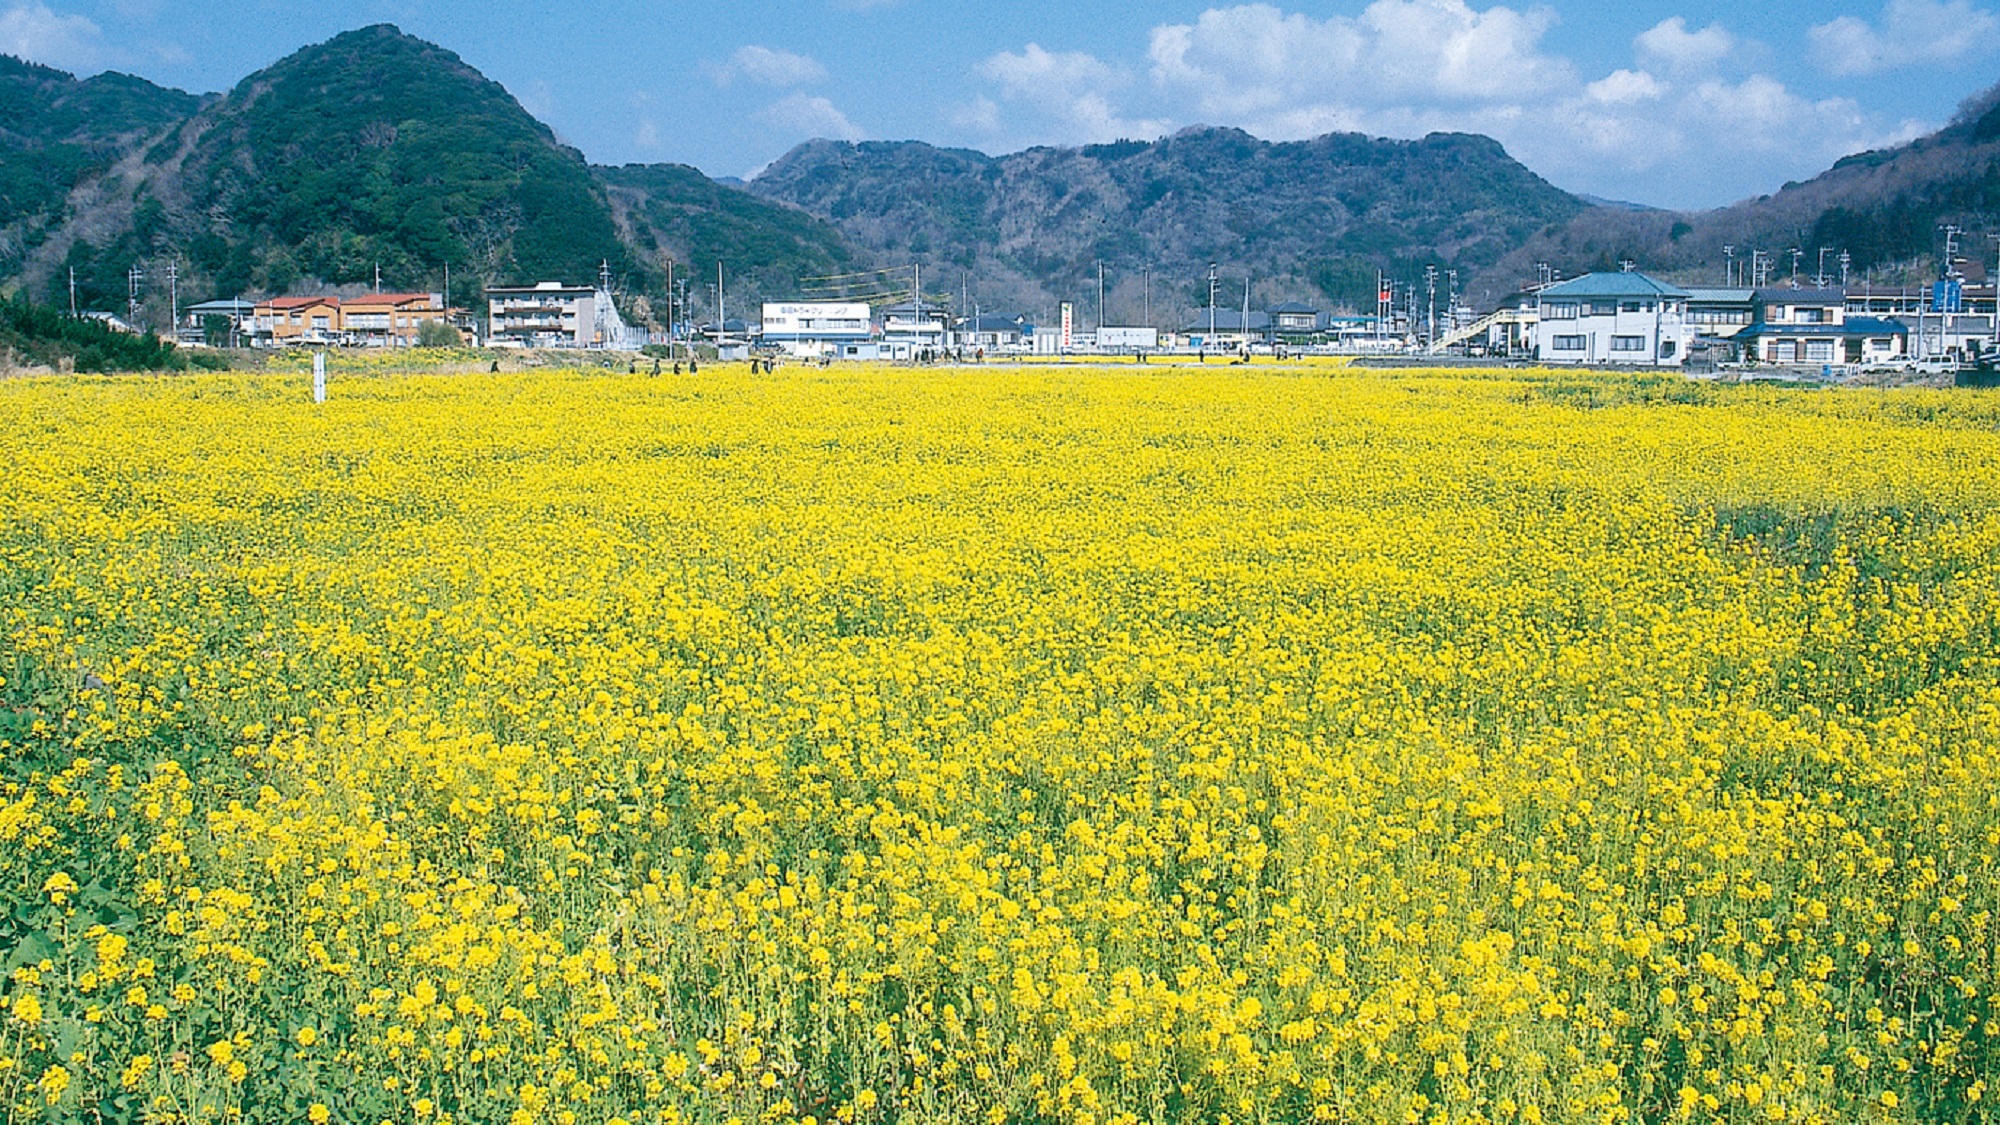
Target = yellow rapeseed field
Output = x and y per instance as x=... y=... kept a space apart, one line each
x=1037 y=745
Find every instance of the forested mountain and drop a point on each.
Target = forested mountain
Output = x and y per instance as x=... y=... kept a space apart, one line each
x=1883 y=208
x=57 y=131
x=1317 y=216
x=372 y=151
x=671 y=212
x=377 y=150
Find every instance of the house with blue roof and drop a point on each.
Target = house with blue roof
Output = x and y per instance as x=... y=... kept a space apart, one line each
x=1624 y=319
x=1812 y=327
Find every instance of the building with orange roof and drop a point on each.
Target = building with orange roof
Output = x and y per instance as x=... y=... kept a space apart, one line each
x=284 y=321
x=389 y=319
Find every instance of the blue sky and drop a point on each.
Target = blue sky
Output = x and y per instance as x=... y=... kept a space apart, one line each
x=1685 y=104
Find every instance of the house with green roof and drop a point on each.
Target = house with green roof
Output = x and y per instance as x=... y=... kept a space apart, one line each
x=1623 y=319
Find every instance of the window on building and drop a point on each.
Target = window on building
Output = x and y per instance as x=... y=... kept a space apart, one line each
x=1628 y=343
x=1668 y=348
x=1604 y=308
x=1561 y=311
x=1570 y=343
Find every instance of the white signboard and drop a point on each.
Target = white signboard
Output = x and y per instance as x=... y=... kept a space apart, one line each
x=319 y=376
x=1069 y=325
x=816 y=320
x=1128 y=338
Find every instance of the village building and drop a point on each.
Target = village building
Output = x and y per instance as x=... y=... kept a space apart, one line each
x=1228 y=331
x=993 y=333
x=390 y=319
x=819 y=329
x=287 y=321
x=1613 y=318
x=1812 y=327
x=910 y=330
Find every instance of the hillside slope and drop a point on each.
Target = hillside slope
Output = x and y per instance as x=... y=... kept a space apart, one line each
x=371 y=150
x=1318 y=216
x=673 y=213
x=1883 y=208
x=57 y=130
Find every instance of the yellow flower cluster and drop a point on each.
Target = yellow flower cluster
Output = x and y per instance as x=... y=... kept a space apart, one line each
x=1017 y=745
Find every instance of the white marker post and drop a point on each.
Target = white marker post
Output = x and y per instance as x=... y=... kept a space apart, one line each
x=319 y=376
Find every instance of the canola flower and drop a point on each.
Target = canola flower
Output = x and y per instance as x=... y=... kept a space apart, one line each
x=1051 y=745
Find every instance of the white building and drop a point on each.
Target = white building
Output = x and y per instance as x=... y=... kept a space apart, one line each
x=909 y=330
x=1613 y=318
x=548 y=315
x=819 y=330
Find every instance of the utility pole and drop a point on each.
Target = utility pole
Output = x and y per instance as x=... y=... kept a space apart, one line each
x=72 y=292
x=1211 y=305
x=1100 y=303
x=1798 y=255
x=1246 y=315
x=1729 y=266
x=133 y=277
x=1147 y=273
x=378 y=277
x=174 y=299
x=1846 y=268
x=1431 y=318
x=1820 y=281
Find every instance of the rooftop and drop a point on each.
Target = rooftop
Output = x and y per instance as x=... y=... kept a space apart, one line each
x=1614 y=285
x=1228 y=320
x=1784 y=295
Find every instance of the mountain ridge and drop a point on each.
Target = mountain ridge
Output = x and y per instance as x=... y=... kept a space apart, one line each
x=1315 y=216
x=376 y=148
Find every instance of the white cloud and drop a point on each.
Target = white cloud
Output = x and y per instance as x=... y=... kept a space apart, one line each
x=32 y=31
x=805 y=116
x=1073 y=91
x=768 y=66
x=1255 y=59
x=1664 y=129
x=1671 y=43
x=1625 y=87
x=1679 y=146
x=1910 y=33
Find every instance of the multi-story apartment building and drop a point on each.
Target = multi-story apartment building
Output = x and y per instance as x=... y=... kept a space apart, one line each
x=548 y=315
